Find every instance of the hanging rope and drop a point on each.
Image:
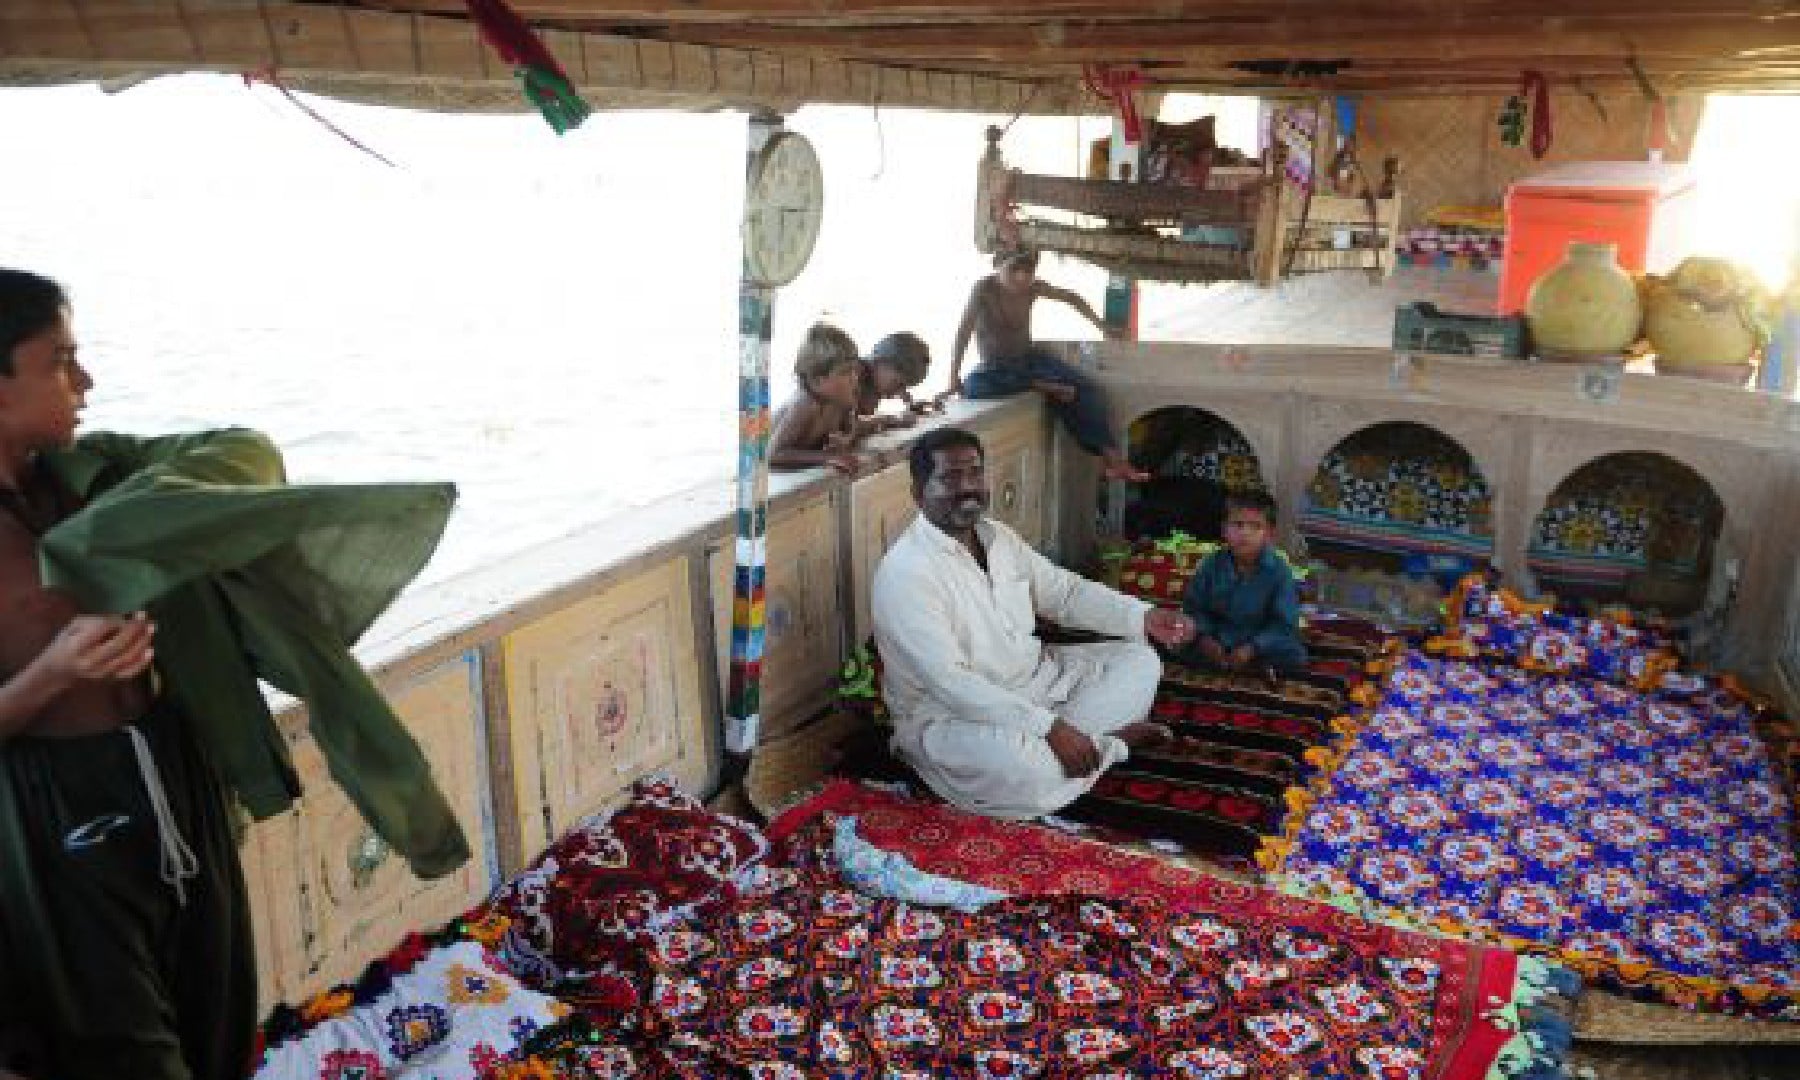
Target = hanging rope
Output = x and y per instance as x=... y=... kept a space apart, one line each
x=546 y=85
x=269 y=77
x=1119 y=87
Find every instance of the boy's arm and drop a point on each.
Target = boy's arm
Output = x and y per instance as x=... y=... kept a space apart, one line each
x=964 y=331
x=1193 y=602
x=793 y=446
x=89 y=648
x=1076 y=301
x=1282 y=621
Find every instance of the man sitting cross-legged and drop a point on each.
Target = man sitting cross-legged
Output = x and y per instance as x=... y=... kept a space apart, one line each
x=993 y=719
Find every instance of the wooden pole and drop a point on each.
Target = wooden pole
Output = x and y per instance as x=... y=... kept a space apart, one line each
x=756 y=320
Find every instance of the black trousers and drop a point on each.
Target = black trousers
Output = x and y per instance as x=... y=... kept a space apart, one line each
x=107 y=970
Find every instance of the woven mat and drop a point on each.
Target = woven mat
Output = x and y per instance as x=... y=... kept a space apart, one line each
x=1608 y=1018
x=1611 y=1062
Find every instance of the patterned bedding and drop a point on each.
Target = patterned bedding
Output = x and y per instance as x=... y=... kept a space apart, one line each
x=1644 y=837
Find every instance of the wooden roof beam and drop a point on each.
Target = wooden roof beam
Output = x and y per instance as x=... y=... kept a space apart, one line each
x=1016 y=11
x=1516 y=39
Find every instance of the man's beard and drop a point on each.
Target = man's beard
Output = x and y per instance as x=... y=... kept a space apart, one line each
x=965 y=513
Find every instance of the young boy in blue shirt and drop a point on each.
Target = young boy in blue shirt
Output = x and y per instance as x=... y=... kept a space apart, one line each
x=1243 y=599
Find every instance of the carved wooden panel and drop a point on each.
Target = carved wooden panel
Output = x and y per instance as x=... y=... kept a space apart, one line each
x=881 y=507
x=1015 y=450
x=600 y=693
x=327 y=894
x=804 y=615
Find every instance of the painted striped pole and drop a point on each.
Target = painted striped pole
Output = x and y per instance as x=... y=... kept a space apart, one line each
x=756 y=320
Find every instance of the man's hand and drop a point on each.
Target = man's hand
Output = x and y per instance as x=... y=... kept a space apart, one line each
x=904 y=420
x=1170 y=629
x=846 y=464
x=1212 y=650
x=101 y=647
x=1059 y=392
x=1242 y=655
x=1078 y=754
x=1115 y=333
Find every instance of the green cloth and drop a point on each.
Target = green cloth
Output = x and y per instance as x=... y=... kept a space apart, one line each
x=250 y=577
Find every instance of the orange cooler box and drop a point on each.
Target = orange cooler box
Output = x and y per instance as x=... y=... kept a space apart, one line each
x=1645 y=207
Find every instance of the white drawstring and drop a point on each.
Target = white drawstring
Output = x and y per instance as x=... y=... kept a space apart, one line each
x=178 y=861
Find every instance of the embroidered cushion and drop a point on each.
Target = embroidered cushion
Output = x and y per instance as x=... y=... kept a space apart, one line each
x=614 y=880
x=1492 y=623
x=455 y=1014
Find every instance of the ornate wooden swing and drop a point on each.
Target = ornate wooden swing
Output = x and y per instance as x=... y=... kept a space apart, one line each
x=1241 y=223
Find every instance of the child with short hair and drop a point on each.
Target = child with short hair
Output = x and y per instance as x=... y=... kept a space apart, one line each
x=893 y=367
x=998 y=318
x=817 y=426
x=1243 y=598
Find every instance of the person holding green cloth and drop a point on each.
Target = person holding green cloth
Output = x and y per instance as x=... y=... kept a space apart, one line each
x=147 y=585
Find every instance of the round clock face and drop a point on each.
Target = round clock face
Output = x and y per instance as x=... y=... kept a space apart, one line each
x=781 y=212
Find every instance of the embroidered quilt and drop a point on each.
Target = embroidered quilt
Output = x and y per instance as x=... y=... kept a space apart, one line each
x=1644 y=838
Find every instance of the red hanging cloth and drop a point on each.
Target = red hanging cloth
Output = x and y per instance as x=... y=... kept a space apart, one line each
x=1118 y=86
x=1533 y=85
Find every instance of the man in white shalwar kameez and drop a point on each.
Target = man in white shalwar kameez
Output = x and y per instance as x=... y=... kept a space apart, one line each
x=989 y=716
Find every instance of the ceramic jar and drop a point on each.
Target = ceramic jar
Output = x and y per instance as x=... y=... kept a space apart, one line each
x=1585 y=307
x=1703 y=321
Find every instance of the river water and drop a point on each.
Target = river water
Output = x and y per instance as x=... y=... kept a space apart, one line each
x=549 y=322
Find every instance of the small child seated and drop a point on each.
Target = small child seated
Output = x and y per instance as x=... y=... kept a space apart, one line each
x=893 y=367
x=818 y=425
x=1243 y=599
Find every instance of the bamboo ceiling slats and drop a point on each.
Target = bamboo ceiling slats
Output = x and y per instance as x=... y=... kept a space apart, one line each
x=987 y=55
x=416 y=59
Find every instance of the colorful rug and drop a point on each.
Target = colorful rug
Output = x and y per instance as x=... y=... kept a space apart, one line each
x=1118 y=964
x=1221 y=787
x=1646 y=840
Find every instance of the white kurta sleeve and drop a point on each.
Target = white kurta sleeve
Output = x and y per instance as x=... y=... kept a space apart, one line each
x=1078 y=603
x=914 y=621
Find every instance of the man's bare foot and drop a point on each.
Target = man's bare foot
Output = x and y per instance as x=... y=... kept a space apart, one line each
x=1119 y=468
x=1144 y=735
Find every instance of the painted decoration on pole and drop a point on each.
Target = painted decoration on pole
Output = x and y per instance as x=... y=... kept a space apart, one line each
x=783 y=200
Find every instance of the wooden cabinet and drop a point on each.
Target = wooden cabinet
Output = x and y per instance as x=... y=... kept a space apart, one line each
x=804 y=619
x=327 y=894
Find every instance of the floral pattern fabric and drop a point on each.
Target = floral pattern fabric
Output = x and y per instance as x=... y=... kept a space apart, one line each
x=1494 y=624
x=454 y=1015
x=613 y=880
x=1646 y=839
x=820 y=981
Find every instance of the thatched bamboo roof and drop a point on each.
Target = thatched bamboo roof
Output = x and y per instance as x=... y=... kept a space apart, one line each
x=994 y=55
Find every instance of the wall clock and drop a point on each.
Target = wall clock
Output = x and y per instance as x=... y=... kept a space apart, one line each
x=782 y=207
